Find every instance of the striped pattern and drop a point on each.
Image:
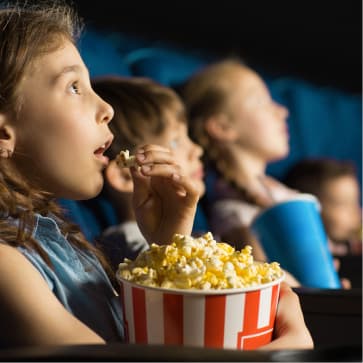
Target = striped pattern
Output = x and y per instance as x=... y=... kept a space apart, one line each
x=241 y=320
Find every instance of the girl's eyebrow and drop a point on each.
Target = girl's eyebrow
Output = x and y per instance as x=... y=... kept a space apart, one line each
x=75 y=68
x=68 y=69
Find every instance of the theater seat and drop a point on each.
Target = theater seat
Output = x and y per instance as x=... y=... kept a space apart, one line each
x=333 y=316
x=166 y=66
x=100 y=54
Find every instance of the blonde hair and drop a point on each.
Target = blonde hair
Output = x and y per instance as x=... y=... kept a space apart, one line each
x=205 y=94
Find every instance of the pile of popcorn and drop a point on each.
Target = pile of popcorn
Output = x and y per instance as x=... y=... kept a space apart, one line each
x=197 y=263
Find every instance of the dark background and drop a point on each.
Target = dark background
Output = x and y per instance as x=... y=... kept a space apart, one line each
x=319 y=41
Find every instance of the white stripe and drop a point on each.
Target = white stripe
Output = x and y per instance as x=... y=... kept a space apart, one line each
x=129 y=312
x=264 y=307
x=233 y=324
x=193 y=320
x=154 y=316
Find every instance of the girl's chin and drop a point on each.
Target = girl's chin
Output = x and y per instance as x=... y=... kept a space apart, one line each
x=201 y=187
x=280 y=154
x=89 y=193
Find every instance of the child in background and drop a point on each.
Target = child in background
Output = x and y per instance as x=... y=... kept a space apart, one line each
x=241 y=129
x=54 y=289
x=336 y=186
x=144 y=112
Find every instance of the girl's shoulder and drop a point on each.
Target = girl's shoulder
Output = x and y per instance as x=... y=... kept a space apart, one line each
x=217 y=187
x=13 y=265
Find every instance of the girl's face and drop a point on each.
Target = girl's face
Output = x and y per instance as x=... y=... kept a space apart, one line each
x=186 y=153
x=62 y=129
x=259 y=121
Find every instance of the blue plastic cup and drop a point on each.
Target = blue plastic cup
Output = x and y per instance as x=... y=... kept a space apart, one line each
x=292 y=233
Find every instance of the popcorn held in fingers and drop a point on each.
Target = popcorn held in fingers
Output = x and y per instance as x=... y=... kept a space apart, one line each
x=125 y=160
x=198 y=263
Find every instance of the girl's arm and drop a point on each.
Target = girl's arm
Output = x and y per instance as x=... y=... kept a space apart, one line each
x=30 y=314
x=164 y=200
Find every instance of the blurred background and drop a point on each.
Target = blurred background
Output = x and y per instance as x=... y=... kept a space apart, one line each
x=309 y=52
x=317 y=40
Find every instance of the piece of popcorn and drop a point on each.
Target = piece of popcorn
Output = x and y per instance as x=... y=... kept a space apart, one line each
x=125 y=160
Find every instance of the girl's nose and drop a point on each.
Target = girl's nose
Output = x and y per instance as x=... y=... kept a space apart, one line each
x=106 y=112
x=197 y=149
x=282 y=111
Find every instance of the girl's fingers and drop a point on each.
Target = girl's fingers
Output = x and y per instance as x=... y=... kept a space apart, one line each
x=153 y=154
x=155 y=161
x=161 y=170
x=185 y=188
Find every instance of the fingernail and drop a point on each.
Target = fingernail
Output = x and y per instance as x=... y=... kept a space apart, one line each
x=140 y=156
x=176 y=177
x=146 y=168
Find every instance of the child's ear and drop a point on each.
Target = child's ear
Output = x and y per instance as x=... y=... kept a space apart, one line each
x=220 y=128
x=119 y=178
x=7 y=134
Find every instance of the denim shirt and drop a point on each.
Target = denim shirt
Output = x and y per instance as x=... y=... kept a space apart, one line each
x=77 y=280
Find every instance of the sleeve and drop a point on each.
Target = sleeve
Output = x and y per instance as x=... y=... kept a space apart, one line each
x=228 y=214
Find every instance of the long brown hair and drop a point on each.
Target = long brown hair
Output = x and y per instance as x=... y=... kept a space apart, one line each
x=26 y=33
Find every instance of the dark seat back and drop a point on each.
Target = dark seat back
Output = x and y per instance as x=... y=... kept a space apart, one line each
x=333 y=316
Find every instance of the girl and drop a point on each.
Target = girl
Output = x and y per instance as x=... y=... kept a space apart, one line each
x=54 y=131
x=241 y=130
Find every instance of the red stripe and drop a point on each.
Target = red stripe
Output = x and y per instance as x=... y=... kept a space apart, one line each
x=138 y=301
x=214 y=321
x=122 y=297
x=251 y=343
x=274 y=299
x=250 y=319
x=173 y=319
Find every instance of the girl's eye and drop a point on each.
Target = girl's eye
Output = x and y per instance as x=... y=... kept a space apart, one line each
x=74 y=88
x=174 y=143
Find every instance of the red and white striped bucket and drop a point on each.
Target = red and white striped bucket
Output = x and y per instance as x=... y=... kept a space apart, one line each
x=232 y=318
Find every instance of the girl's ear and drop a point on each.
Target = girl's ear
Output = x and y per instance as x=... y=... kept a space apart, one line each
x=220 y=128
x=119 y=178
x=7 y=136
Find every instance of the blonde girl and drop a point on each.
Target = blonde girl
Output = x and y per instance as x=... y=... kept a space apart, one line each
x=241 y=129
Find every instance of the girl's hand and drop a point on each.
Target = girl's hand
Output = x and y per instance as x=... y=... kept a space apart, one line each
x=164 y=200
x=290 y=331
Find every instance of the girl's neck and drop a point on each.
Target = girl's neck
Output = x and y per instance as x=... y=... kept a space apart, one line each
x=244 y=166
x=247 y=172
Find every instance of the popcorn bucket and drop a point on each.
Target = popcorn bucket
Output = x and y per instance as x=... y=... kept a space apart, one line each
x=241 y=318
